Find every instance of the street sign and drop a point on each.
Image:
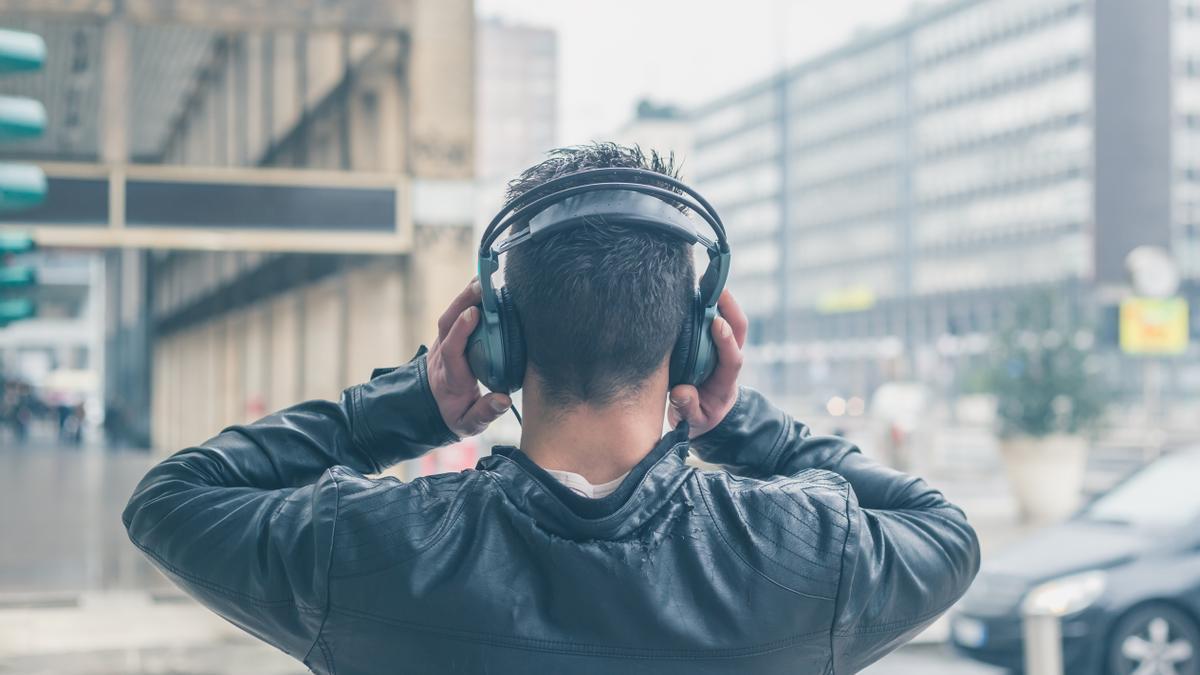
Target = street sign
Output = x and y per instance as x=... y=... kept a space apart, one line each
x=1154 y=326
x=854 y=298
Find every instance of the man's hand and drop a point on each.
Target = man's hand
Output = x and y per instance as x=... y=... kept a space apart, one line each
x=706 y=406
x=455 y=389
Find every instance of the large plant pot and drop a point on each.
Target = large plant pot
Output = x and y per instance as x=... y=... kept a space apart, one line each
x=1046 y=475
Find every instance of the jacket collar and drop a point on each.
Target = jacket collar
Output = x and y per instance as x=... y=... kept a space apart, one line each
x=643 y=492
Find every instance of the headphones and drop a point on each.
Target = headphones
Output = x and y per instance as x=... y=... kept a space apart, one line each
x=632 y=197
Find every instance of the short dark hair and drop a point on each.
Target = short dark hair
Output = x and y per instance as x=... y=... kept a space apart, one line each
x=600 y=305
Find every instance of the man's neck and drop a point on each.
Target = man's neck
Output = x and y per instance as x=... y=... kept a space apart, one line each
x=598 y=443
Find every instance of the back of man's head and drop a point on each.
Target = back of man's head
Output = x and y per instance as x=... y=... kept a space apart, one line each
x=601 y=305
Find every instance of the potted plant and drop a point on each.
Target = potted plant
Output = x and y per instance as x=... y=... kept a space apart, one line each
x=1048 y=396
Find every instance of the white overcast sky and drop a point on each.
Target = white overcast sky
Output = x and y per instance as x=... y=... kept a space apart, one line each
x=614 y=52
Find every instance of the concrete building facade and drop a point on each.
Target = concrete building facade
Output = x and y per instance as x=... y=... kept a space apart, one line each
x=263 y=105
x=890 y=201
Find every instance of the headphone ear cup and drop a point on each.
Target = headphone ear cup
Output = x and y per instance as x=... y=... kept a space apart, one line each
x=514 y=342
x=684 y=355
x=479 y=355
x=705 y=359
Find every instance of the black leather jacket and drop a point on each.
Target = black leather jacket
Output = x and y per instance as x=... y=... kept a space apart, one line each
x=806 y=557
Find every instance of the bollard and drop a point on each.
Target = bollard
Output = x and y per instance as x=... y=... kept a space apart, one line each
x=1043 y=644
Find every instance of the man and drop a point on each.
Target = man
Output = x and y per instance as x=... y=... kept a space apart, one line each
x=803 y=557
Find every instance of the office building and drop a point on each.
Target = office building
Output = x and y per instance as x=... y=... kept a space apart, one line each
x=890 y=201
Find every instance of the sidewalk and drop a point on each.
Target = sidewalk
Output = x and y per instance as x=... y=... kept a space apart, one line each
x=123 y=633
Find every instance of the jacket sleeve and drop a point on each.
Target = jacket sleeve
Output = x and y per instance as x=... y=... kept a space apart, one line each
x=908 y=553
x=244 y=522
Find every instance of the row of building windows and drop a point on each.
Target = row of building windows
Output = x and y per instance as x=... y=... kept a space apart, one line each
x=1015 y=81
x=1016 y=186
x=1043 y=207
x=748 y=185
x=873 y=239
x=751 y=219
x=872 y=109
x=985 y=23
x=742 y=113
x=1061 y=257
x=1067 y=256
x=1050 y=154
x=973 y=75
x=817 y=85
x=971 y=123
x=739 y=150
x=842 y=201
x=1026 y=234
x=854 y=156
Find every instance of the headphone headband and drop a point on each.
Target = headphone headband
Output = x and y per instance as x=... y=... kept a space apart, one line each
x=530 y=204
x=635 y=204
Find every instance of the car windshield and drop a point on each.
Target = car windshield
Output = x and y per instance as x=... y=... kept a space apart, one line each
x=1162 y=495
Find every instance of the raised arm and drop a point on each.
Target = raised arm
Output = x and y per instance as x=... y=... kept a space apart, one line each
x=908 y=553
x=244 y=522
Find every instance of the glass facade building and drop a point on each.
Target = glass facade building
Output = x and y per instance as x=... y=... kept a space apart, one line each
x=890 y=200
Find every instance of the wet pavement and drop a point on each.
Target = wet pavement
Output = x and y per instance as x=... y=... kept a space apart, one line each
x=77 y=599
x=61 y=516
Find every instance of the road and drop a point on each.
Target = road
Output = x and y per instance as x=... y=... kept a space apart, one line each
x=77 y=599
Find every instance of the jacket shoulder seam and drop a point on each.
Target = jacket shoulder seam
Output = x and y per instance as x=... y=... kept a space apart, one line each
x=721 y=533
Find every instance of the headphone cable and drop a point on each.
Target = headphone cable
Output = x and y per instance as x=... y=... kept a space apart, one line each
x=516 y=414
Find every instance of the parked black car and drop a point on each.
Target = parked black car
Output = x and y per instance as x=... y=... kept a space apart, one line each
x=1124 y=575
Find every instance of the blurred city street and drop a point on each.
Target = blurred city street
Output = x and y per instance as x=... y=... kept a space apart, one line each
x=965 y=236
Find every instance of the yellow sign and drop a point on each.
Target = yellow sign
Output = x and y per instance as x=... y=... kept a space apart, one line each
x=1154 y=326
x=850 y=299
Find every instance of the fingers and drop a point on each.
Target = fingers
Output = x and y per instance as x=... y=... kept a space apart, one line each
x=732 y=312
x=685 y=404
x=468 y=297
x=454 y=347
x=483 y=412
x=729 y=358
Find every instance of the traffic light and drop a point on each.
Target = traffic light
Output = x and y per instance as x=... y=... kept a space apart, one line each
x=21 y=185
x=20 y=51
x=15 y=278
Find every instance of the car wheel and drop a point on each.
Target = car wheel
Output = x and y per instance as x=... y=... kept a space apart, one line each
x=1155 y=639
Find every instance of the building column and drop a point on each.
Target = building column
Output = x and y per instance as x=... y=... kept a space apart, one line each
x=115 y=90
